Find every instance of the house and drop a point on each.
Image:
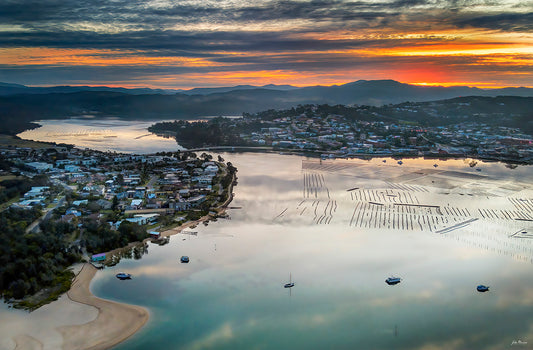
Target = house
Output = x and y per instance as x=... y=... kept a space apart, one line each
x=98 y=257
x=67 y=217
x=204 y=179
x=182 y=205
x=72 y=168
x=143 y=219
x=29 y=203
x=136 y=204
x=89 y=161
x=104 y=204
x=39 y=167
x=72 y=211
x=185 y=192
x=64 y=162
x=197 y=200
x=211 y=170
x=36 y=192
x=155 y=234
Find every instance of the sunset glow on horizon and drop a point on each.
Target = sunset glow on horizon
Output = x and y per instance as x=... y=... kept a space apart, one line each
x=192 y=43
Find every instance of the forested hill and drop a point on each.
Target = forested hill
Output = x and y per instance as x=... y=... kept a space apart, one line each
x=16 y=111
x=509 y=111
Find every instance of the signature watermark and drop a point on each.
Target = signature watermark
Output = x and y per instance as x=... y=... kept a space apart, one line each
x=518 y=342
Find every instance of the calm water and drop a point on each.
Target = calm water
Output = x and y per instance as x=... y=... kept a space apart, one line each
x=340 y=228
x=231 y=295
x=128 y=136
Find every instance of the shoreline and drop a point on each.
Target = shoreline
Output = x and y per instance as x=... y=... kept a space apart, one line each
x=115 y=322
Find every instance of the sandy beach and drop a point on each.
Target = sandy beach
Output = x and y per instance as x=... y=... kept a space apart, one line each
x=115 y=321
x=76 y=321
x=91 y=323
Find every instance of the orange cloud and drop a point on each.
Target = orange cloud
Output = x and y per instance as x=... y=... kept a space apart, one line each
x=93 y=57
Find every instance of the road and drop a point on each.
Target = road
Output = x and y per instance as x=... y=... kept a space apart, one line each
x=34 y=226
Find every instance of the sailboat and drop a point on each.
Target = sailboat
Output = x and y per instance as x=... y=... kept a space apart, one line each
x=290 y=284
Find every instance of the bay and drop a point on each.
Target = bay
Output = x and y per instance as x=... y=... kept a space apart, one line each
x=296 y=218
x=339 y=228
x=109 y=134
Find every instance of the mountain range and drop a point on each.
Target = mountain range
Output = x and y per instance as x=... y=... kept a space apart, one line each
x=7 y=89
x=370 y=92
x=20 y=104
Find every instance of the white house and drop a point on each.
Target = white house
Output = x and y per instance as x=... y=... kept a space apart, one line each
x=136 y=203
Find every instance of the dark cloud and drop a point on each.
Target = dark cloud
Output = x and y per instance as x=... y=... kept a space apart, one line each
x=184 y=42
x=134 y=27
x=513 y=22
x=53 y=14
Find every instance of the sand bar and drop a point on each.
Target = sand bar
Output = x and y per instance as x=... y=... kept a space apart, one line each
x=115 y=321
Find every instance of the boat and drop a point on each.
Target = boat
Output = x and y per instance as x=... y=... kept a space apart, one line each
x=184 y=259
x=482 y=288
x=123 y=276
x=290 y=284
x=393 y=280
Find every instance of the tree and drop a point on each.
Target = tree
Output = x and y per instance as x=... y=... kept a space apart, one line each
x=114 y=205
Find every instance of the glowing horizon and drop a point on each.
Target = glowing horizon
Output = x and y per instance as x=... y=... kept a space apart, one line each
x=168 y=45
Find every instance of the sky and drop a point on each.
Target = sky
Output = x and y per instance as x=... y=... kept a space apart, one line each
x=207 y=43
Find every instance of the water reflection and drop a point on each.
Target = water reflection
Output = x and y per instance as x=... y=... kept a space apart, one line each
x=132 y=251
x=128 y=136
x=231 y=295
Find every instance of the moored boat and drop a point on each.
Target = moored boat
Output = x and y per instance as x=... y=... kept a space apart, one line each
x=290 y=284
x=123 y=276
x=482 y=288
x=393 y=280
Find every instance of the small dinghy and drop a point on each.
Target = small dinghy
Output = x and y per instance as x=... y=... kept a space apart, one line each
x=481 y=288
x=393 y=280
x=123 y=276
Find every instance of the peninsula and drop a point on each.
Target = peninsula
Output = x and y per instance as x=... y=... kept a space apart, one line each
x=63 y=205
x=489 y=128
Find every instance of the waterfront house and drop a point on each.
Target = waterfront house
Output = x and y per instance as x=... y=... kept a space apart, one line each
x=155 y=234
x=98 y=257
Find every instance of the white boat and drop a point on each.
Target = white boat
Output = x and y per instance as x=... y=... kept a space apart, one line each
x=393 y=280
x=290 y=284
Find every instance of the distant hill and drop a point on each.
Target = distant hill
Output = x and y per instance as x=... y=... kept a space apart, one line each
x=7 y=89
x=24 y=104
x=15 y=89
x=369 y=92
x=208 y=91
